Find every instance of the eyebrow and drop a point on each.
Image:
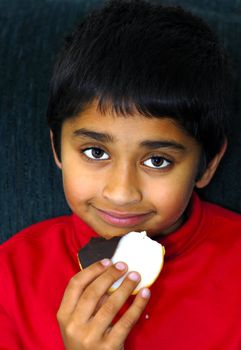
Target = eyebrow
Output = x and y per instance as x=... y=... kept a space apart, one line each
x=155 y=144
x=98 y=136
x=150 y=144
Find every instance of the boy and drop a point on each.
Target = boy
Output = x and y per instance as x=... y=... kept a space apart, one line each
x=137 y=119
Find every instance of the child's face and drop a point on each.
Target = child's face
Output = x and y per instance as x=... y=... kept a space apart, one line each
x=124 y=174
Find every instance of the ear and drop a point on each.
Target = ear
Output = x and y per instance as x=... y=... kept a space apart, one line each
x=56 y=159
x=212 y=167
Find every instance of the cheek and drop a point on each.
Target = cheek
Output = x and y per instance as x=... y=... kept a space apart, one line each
x=79 y=186
x=170 y=195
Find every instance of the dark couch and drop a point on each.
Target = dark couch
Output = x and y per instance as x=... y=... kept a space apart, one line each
x=31 y=33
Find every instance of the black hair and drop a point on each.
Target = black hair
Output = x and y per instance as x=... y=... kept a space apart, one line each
x=159 y=60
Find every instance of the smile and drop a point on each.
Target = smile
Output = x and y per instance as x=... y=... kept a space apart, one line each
x=123 y=219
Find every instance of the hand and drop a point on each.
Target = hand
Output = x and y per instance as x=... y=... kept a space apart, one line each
x=86 y=312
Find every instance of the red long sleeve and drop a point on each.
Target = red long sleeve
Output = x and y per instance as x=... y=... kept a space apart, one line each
x=195 y=302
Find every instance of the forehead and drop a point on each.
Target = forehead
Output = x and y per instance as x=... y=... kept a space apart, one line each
x=132 y=128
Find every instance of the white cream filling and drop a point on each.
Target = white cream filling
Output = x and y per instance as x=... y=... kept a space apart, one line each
x=141 y=254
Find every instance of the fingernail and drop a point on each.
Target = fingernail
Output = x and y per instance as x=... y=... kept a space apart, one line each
x=134 y=276
x=106 y=262
x=145 y=293
x=120 y=266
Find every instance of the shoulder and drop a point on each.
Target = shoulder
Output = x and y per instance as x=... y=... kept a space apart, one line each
x=40 y=249
x=220 y=214
x=222 y=224
x=37 y=234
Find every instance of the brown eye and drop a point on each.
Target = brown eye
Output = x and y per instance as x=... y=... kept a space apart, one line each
x=157 y=162
x=95 y=153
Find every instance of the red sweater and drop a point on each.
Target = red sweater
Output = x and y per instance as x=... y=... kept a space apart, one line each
x=195 y=303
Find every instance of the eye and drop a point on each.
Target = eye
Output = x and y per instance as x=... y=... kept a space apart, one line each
x=157 y=162
x=95 y=153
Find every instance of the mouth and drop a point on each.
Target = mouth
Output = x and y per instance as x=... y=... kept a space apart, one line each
x=123 y=219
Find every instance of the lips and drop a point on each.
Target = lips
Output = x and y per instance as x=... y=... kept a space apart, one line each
x=121 y=219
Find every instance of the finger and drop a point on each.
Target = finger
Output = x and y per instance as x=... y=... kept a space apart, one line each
x=79 y=282
x=100 y=303
x=121 y=329
x=113 y=304
x=86 y=306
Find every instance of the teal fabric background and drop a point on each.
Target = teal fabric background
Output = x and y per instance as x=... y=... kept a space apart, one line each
x=31 y=32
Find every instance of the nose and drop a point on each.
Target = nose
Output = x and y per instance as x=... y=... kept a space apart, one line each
x=122 y=187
